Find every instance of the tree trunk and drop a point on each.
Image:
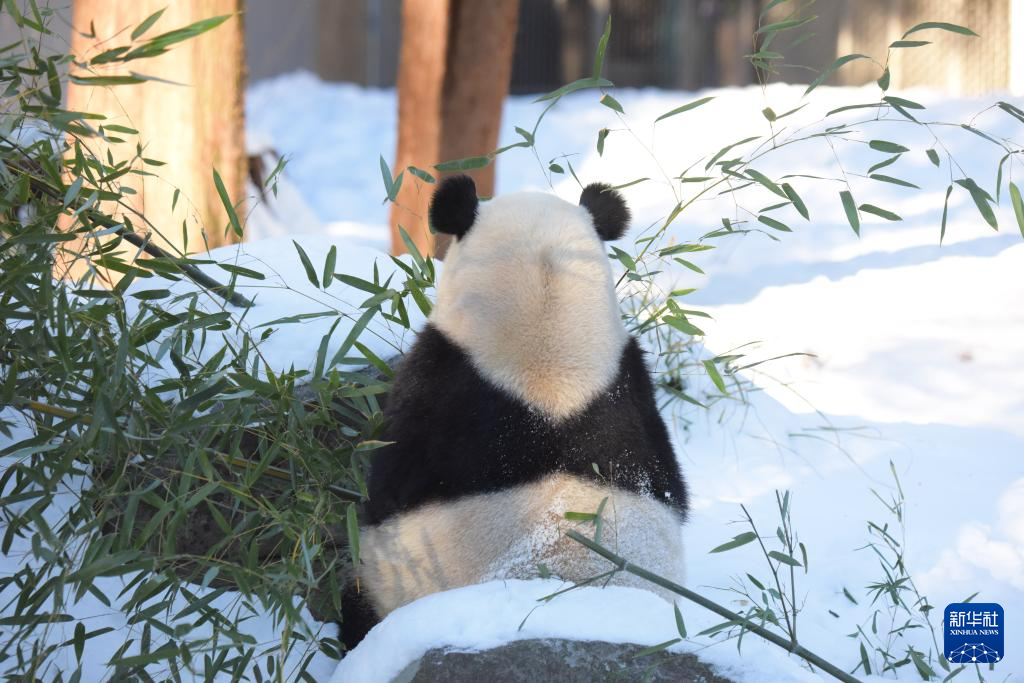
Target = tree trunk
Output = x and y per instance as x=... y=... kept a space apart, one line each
x=453 y=77
x=194 y=127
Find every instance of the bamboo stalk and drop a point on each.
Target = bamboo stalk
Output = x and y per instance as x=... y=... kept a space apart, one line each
x=790 y=646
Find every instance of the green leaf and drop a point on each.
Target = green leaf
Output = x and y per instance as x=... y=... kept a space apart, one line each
x=680 y=626
x=784 y=559
x=716 y=377
x=888 y=147
x=353 y=334
x=784 y=25
x=329 y=263
x=581 y=84
x=1018 y=206
x=894 y=181
x=466 y=164
x=625 y=259
x=900 y=102
x=222 y=191
x=981 y=200
x=775 y=224
x=78 y=79
x=307 y=265
x=391 y=185
x=845 y=59
x=933 y=156
x=683 y=325
x=602 y=45
x=798 y=203
x=945 y=214
x=883 y=80
x=851 y=211
x=926 y=672
x=352 y=526
x=942 y=26
x=147 y=23
x=886 y=162
x=684 y=108
x=909 y=43
x=610 y=102
x=244 y=272
x=654 y=649
x=767 y=182
x=882 y=213
x=737 y=541
x=1015 y=112
x=422 y=175
x=601 y=135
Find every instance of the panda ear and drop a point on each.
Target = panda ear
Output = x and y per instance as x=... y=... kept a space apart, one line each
x=453 y=206
x=608 y=210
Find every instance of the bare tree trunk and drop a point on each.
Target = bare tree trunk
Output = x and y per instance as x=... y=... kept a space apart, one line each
x=194 y=127
x=453 y=77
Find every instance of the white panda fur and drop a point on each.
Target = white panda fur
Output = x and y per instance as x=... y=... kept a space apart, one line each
x=522 y=399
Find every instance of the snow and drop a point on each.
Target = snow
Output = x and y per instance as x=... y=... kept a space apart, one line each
x=491 y=614
x=916 y=362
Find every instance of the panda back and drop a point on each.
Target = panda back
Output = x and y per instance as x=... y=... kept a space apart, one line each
x=456 y=434
x=509 y=533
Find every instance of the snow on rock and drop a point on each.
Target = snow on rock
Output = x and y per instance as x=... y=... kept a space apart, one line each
x=494 y=613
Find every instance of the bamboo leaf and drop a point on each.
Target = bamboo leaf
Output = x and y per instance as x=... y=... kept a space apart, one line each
x=945 y=214
x=147 y=23
x=981 y=200
x=602 y=45
x=784 y=559
x=329 y=264
x=716 y=377
x=1018 y=206
x=882 y=213
x=467 y=164
x=610 y=102
x=684 y=108
x=352 y=527
x=845 y=59
x=942 y=26
x=581 y=84
x=775 y=224
x=851 y=211
x=222 y=191
x=888 y=147
x=737 y=541
x=767 y=182
x=307 y=265
x=798 y=203
x=894 y=181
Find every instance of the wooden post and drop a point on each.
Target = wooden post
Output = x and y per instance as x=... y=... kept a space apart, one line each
x=194 y=127
x=453 y=76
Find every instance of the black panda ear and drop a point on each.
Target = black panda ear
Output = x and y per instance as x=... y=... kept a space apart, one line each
x=453 y=206
x=607 y=208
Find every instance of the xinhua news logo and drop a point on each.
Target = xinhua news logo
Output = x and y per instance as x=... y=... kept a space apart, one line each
x=974 y=633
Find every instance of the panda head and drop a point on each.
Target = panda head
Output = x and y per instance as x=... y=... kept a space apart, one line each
x=527 y=291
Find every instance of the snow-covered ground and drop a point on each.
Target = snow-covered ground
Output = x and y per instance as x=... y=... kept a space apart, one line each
x=917 y=362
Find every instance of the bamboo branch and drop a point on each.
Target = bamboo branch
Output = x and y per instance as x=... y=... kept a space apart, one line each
x=790 y=646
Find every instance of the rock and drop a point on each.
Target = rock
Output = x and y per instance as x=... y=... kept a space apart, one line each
x=565 y=661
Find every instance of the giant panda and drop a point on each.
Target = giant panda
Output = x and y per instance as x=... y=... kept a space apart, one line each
x=523 y=398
